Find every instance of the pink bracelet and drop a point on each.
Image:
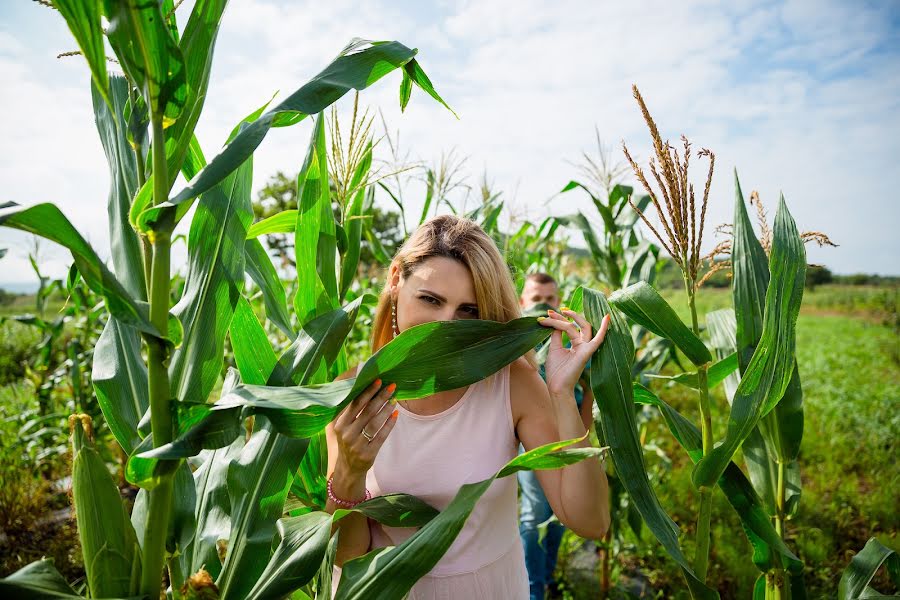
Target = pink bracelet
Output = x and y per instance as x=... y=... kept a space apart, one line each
x=344 y=503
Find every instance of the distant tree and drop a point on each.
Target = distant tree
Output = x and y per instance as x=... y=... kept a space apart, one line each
x=280 y=194
x=817 y=275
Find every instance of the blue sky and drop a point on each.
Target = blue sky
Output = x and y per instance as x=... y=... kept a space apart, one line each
x=801 y=97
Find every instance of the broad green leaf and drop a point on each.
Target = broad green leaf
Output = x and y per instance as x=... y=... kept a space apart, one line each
x=149 y=55
x=862 y=568
x=389 y=573
x=197 y=46
x=717 y=373
x=37 y=581
x=317 y=345
x=119 y=376
x=213 y=284
x=261 y=270
x=767 y=376
x=46 y=220
x=261 y=476
x=112 y=557
x=760 y=449
x=283 y=222
x=783 y=427
x=119 y=373
x=123 y=185
x=303 y=542
x=358 y=66
x=314 y=271
x=643 y=305
x=612 y=387
x=353 y=224
x=416 y=75
x=448 y=355
x=252 y=352
x=83 y=19
x=755 y=519
x=213 y=508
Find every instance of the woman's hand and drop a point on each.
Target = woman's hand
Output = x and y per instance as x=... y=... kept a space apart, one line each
x=362 y=428
x=564 y=366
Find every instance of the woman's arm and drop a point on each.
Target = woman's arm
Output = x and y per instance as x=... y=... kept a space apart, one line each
x=548 y=412
x=578 y=493
x=350 y=456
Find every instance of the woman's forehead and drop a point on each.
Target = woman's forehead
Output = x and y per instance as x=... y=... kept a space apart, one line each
x=441 y=274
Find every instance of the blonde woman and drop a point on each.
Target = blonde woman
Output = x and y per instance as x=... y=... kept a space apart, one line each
x=450 y=269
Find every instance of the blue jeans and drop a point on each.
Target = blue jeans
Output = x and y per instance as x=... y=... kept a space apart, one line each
x=540 y=558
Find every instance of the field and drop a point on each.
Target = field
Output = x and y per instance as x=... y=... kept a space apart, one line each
x=848 y=355
x=163 y=421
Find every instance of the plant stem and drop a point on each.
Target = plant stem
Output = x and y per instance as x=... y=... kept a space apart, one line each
x=701 y=559
x=781 y=589
x=157 y=525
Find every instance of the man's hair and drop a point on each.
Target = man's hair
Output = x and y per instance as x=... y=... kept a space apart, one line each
x=541 y=278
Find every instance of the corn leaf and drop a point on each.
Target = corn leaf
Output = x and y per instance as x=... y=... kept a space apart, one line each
x=83 y=19
x=46 y=220
x=769 y=372
x=740 y=493
x=260 y=477
x=389 y=573
x=444 y=360
x=314 y=233
x=353 y=224
x=261 y=270
x=197 y=46
x=643 y=305
x=213 y=284
x=414 y=73
x=862 y=568
x=37 y=581
x=283 y=222
x=123 y=185
x=358 y=66
x=613 y=391
x=149 y=55
x=717 y=373
x=119 y=376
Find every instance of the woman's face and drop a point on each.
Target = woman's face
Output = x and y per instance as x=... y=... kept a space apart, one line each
x=438 y=289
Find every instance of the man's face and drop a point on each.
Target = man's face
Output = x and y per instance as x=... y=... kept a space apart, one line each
x=537 y=293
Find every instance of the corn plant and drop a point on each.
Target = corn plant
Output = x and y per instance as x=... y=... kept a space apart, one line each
x=214 y=478
x=762 y=386
x=166 y=76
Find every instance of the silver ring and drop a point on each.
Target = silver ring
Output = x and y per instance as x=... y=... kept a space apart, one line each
x=367 y=435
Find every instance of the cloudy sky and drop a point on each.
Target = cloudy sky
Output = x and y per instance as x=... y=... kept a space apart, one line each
x=801 y=97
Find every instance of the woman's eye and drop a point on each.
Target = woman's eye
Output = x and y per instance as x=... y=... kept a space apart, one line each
x=429 y=299
x=470 y=311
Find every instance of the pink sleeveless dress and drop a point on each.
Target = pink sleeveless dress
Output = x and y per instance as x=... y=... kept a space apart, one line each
x=431 y=457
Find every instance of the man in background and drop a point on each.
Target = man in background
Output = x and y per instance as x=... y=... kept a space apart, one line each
x=540 y=293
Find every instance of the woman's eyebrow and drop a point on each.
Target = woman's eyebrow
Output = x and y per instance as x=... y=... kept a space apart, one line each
x=436 y=295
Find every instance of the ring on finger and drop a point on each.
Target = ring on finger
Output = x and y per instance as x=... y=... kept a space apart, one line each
x=367 y=435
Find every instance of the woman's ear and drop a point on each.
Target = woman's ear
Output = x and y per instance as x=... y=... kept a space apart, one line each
x=394 y=278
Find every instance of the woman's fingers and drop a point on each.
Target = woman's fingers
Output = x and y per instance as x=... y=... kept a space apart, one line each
x=580 y=321
x=601 y=334
x=386 y=427
x=369 y=414
x=561 y=323
x=356 y=405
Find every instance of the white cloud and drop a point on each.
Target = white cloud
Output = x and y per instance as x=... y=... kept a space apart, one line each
x=801 y=97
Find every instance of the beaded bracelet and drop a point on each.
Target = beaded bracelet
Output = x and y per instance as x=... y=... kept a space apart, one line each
x=344 y=503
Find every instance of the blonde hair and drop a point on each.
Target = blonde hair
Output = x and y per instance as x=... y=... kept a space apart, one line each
x=463 y=240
